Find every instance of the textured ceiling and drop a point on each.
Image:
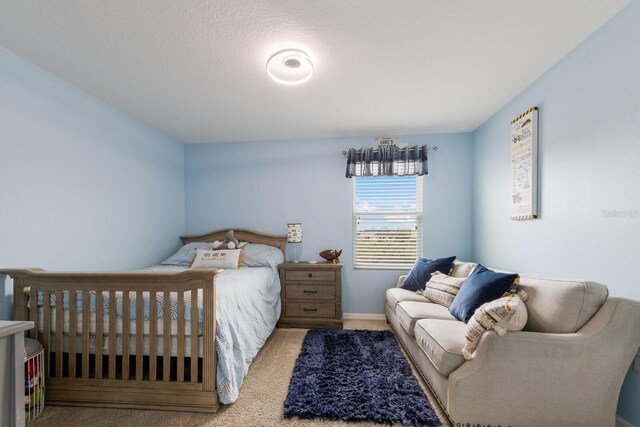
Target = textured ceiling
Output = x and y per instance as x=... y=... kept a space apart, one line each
x=196 y=69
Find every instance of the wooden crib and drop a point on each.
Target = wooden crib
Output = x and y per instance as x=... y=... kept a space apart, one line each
x=82 y=376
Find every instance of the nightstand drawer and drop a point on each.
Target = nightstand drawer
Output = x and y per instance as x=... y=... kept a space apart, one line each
x=311 y=309
x=310 y=276
x=304 y=291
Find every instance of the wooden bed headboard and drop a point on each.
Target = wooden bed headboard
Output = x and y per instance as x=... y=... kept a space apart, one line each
x=243 y=236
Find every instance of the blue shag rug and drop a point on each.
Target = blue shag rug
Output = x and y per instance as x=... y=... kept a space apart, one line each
x=356 y=376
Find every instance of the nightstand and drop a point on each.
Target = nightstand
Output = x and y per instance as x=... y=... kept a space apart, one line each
x=311 y=295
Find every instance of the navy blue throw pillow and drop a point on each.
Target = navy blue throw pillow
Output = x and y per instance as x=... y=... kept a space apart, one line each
x=421 y=271
x=482 y=285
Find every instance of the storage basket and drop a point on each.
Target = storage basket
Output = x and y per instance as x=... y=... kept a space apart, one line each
x=33 y=379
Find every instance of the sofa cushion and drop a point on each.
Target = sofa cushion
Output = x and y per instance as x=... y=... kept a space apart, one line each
x=409 y=312
x=442 y=342
x=397 y=295
x=423 y=268
x=561 y=306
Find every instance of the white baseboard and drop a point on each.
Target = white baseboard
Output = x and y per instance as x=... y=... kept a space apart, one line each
x=363 y=316
x=621 y=422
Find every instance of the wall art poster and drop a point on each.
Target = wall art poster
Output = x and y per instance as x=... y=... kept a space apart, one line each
x=524 y=166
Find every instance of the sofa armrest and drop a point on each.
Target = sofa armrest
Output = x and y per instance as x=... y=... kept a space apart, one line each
x=549 y=379
x=400 y=280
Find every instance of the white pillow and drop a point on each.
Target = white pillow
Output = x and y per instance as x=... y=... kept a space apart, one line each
x=257 y=255
x=518 y=320
x=225 y=258
x=501 y=315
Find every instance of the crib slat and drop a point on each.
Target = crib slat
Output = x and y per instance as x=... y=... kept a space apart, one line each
x=59 y=331
x=71 y=338
x=139 y=334
x=112 y=335
x=194 y=335
x=86 y=319
x=180 y=352
x=153 y=335
x=99 y=333
x=33 y=311
x=209 y=359
x=126 y=325
x=21 y=310
x=46 y=318
x=166 y=338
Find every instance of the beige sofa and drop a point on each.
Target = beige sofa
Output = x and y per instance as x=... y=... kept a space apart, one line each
x=565 y=369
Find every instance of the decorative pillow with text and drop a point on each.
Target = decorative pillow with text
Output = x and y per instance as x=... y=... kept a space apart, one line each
x=226 y=258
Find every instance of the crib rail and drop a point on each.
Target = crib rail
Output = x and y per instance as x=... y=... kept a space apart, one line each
x=86 y=366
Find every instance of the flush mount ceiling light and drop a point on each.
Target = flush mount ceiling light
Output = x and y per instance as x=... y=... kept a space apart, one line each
x=290 y=67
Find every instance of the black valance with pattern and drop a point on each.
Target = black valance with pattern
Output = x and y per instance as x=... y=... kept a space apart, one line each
x=387 y=161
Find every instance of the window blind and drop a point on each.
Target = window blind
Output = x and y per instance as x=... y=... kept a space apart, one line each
x=387 y=221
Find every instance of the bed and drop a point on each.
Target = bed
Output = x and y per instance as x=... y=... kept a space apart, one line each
x=176 y=363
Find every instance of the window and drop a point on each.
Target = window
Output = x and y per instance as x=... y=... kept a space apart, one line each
x=387 y=221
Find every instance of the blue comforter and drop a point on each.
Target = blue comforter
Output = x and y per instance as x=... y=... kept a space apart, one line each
x=247 y=310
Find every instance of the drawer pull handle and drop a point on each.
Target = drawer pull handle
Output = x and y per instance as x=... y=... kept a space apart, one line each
x=310 y=274
x=310 y=292
x=309 y=309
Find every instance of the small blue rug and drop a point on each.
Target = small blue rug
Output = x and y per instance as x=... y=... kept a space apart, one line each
x=356 y=376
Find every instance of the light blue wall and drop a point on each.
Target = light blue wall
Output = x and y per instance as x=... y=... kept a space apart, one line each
x=589 y=157
x=264 y=185
x=82 y=185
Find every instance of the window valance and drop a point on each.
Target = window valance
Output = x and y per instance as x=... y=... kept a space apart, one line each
x=387 y=161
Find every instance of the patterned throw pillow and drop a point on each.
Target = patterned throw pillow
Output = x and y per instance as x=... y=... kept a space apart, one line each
x=501 y=315
x=442 y=288
x=225 y=258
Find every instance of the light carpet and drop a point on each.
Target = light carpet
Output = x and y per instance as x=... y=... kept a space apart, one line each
x=260 y=402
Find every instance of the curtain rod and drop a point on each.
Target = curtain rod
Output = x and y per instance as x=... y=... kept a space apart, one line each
x=434 y=148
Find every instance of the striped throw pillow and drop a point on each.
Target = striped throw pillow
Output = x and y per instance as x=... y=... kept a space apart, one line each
x=442 y=289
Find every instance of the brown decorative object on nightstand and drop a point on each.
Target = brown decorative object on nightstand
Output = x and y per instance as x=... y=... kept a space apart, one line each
x=311 y=295
x=331 y=255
